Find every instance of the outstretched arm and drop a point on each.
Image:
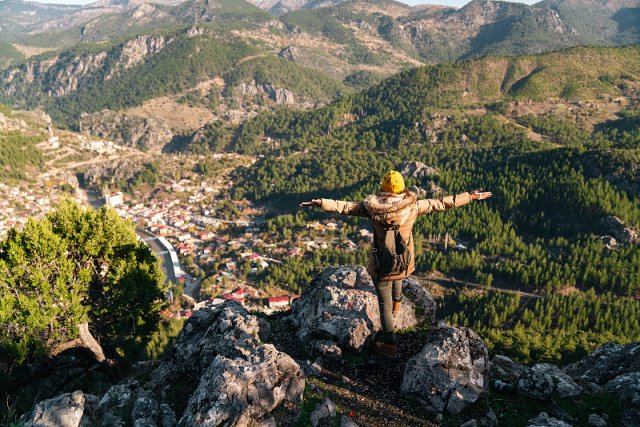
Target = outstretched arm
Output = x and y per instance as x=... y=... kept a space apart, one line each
x=339 y=206
x=443 y=203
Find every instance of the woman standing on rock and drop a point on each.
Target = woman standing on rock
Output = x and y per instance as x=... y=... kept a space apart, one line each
x=393 y=212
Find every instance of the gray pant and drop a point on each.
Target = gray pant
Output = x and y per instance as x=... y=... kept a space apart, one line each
x=388 y=291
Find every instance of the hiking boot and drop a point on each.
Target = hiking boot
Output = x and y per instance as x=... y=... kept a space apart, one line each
x=396 y=308
x=386 y=350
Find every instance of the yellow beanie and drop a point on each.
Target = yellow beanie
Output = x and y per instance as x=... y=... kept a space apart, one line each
x=393 y=182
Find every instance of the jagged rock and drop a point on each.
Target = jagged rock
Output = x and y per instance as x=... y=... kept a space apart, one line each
x=450 y=372
x=66 y=410
x=289 y=53
x=130 y=404
x=226 y=330
x=616 y=227
x=127 y=130
x=543 y=379
x=280 y=96
x=606 y=362
x=324 y=409
x=544 y=420
x=341 y=305
x=327 y=349
x=237 y=378
x=236 y=391
x=596 y=420
x=627 y=388
x=416 y=169
x=506 y=369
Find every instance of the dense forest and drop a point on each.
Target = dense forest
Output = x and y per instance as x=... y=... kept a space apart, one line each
x=558 y=328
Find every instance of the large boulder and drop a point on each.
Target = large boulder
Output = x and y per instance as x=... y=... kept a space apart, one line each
x=450 y=372
x=341 y=306
x=227 y=330
x=627 y=388
x=130 y=404
x=66 y=410
x=236 y=378
x=542 y=380
x=123 y=404
x=606 y=362
x=505 y=369
x=617 y=369
x=235 y=391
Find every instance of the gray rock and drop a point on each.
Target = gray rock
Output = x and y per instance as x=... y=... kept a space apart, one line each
x=226 y=330
x=341 y=305
x=289 y=53
x=470 y=423
x=66 y=410
x=324 y=409
x=606 y=362
x=616 y=227
x=543 y=379
x=347 y=422
x=130 y=401
x=450 y=372
x=127 y=130
x=596 y=420
x=327 y=348
x=544 y=420
x=236 y=391
x=416 y=169
x=506 y=369
x=627 y=388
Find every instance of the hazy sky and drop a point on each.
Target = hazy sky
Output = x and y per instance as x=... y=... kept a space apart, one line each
x=411 y=2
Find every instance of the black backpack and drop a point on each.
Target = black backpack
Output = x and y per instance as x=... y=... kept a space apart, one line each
x=394 y=256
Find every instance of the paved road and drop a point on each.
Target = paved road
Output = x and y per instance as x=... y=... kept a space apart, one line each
x=192 y=286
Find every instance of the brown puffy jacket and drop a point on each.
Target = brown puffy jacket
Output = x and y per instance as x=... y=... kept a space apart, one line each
x=386 y=209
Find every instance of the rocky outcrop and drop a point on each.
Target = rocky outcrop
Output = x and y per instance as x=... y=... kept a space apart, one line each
x=131 y=131
x=236 y=391
x=235 y=380
x=620 y=232
x=238 y=379
x=289 y=53
x=450 y=372
x=416 y=169
x=67 y=410
x=67 y=73
x=606 y=362
x=340 y=308
x=280 y=96
x=542 y=380
x=615 y=368
x=135 y=51
x=122 y=404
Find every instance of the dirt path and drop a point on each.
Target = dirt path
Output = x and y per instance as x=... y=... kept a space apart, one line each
x=454 y=283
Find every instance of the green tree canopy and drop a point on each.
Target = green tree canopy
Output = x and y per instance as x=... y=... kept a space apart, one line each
x=72 y=276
